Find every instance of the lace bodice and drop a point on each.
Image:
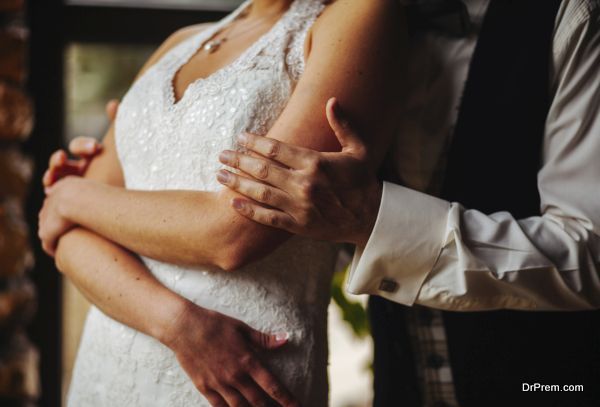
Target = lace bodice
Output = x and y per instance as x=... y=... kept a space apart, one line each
x=163 y=144
x=247 y=95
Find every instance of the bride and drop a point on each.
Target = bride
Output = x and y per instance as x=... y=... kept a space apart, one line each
x=181 y=284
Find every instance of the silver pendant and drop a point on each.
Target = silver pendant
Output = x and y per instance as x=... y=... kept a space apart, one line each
x=213 y=46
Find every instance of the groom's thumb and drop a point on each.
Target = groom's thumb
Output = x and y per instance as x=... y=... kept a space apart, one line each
x=344 y=132
x=267 y=341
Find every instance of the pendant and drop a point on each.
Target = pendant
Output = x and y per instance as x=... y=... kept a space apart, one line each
x=213 y=46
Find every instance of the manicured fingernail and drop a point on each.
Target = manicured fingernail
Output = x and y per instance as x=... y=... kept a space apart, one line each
x=282 y=336
x=223 y=176
x=238 y=204
x=90 y=145
x=225 y=157
x=242 y=139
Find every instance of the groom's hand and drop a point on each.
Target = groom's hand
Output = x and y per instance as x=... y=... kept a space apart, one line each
x=219 y=355
x=326 y=196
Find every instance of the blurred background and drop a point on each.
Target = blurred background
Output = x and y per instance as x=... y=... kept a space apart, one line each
x=60 y=62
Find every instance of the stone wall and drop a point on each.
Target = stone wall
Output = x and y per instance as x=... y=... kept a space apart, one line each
x=19 y=381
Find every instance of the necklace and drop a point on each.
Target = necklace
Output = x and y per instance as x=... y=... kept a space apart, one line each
x=213 y=45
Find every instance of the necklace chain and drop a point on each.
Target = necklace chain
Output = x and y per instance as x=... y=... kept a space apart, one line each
x=213 y=45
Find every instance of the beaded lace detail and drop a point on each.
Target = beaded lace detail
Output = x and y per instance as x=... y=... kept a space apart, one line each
x=167 y=145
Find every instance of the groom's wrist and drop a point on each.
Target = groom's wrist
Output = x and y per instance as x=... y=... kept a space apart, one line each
x=372 y=204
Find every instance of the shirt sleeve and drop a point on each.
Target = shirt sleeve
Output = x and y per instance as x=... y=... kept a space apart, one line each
x=431 y=252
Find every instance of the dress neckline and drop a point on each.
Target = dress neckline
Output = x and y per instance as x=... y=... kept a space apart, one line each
x=196 y=42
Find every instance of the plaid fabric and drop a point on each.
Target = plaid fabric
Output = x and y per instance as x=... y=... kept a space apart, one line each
x=428 y=337
x=425 y=325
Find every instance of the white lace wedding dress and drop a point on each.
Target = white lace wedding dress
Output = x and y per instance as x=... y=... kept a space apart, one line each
x=168 y=145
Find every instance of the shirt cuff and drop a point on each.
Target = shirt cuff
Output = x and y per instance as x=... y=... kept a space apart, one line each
x=405 y=243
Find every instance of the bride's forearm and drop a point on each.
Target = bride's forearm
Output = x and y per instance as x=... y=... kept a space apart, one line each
x=118 y=283
x=181 y=227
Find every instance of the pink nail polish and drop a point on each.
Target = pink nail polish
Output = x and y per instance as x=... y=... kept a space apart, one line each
x=238 y=204
x=90 y=146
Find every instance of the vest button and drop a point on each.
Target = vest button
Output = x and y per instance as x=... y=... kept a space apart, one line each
x=435 y=361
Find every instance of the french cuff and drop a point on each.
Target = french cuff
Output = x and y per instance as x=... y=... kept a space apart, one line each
x=403 y=247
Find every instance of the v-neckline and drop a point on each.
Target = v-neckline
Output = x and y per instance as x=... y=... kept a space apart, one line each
x=201 y=39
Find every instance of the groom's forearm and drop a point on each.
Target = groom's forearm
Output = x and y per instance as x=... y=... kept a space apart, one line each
x=118 y=283
x=190 y=228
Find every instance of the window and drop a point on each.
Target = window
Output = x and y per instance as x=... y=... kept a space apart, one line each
x=218 y=5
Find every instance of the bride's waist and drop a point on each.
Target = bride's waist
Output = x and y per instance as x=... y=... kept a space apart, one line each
x=266 y=296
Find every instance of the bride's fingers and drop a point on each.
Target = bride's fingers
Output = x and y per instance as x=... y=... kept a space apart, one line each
x=57 y=172
x=287 y=154
x=265 y=216
x=111 y=109
x=57 y=158
x=258 y=168
x=258 y=191
x=84 y=146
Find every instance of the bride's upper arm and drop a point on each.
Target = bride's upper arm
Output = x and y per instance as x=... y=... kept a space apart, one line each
x=354 y=52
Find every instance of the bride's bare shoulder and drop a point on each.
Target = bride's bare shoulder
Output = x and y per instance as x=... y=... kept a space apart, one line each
x=362 y=18
x=184 y=33
x=172 y=41
x=343 y=8
x=379 y=23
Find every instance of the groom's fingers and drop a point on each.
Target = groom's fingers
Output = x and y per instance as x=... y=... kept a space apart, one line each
x=289 y=155
x=273 y=388
x=255 y=190
x=257 y=167
x=215 y=399
x=252 y=392
x=233 y=397
x=265 y=216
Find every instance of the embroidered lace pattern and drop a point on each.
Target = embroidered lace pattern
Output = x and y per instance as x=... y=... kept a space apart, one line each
x=163 y=144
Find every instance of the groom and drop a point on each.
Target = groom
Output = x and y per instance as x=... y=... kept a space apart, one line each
x=499 y=208
x=502 y=123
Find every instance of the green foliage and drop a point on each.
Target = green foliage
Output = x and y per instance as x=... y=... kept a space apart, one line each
x=353 y=313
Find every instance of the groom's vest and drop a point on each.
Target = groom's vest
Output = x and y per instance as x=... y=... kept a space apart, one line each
x=493 y=165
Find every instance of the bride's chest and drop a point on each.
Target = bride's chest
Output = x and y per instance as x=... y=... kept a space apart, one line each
x=167 y=144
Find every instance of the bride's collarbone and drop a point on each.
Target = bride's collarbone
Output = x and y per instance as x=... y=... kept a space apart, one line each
x=203 y=63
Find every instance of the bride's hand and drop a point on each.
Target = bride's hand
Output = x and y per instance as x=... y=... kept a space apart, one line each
x=52 y=223
x=83 y=148
x=218 y=354
x=325 y=196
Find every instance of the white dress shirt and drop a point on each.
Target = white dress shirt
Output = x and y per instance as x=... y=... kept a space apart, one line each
x=428 y=251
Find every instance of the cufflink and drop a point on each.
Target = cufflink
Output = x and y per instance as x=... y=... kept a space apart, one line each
x=388 y=285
